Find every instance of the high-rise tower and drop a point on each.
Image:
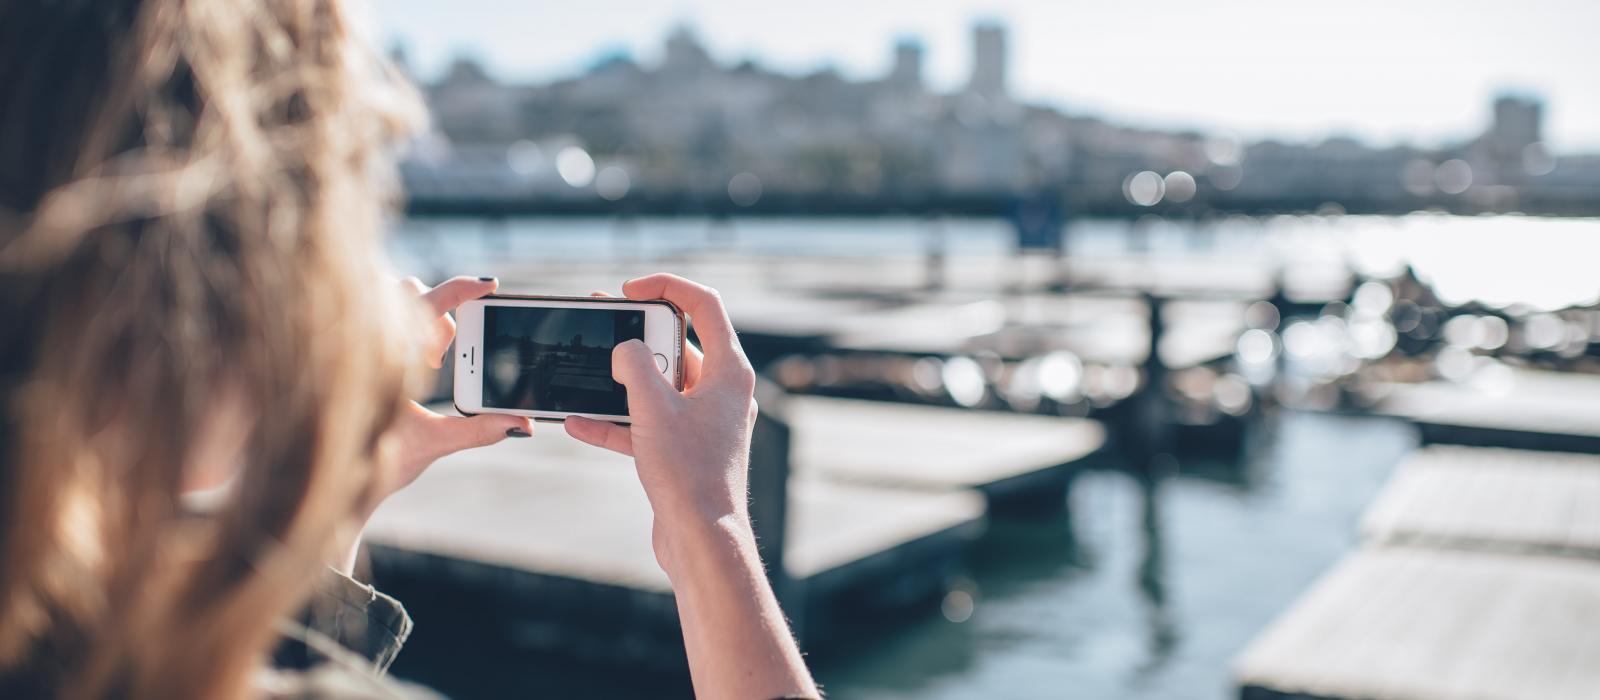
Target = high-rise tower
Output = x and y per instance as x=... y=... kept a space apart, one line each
x=1516 y=124
x=988 y=60
x=907 y=71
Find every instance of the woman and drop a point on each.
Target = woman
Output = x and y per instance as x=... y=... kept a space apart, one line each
x=192 y=297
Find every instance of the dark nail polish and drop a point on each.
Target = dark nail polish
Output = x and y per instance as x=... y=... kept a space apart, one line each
x=485 y=279
x=518 y=433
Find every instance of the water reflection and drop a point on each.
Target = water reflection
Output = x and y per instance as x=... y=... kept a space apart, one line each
x=1142 y=587
x=1160 y=626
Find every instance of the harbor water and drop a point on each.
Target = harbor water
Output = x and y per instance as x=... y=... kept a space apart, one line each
x=1542 y=263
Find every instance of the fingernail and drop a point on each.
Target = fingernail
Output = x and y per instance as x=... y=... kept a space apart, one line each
x=485 y=279
x=518 y=433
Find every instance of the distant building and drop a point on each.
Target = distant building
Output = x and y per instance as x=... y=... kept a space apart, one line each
x=906 y=74
x=685 y=55
x=1516 y=125
x=468 y=105
x=1514 y=135
x=989 y=60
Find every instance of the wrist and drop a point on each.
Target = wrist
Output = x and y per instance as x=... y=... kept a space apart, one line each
x=701 y=512
x=696 y=543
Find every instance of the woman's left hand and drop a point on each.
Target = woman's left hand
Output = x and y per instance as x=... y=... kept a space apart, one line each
x=423 y=436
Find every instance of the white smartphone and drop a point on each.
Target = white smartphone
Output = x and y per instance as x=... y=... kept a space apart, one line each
x=550 y=357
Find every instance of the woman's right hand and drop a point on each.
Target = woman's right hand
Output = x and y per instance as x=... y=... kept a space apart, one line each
x=692 y=452
x=691 y=447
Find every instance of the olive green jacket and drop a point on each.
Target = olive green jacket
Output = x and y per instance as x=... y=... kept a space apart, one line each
x=341 y=647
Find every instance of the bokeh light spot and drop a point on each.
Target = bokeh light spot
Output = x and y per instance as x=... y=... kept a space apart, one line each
x=1144 y=188
x=575 y=166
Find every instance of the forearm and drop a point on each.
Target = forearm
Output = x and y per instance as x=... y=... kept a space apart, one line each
x=738 y=642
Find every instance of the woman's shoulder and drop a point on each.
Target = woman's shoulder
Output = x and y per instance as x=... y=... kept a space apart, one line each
x=340 y=647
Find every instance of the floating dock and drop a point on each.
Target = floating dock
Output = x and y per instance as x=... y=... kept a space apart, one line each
x=800 y=304
x=547 y=540
x=1106 y=328
x=1504 y=407
x=1491 y=499
x=1012 y=459
x=1479 y=577
x=1433 y=624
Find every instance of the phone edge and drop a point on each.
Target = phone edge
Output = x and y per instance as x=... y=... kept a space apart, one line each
x=680 y=327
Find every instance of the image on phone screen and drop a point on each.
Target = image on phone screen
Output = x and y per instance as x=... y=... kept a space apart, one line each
x=544 y=359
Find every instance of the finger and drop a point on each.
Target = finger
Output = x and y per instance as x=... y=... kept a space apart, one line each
x=704 y=306
x=458 y=290
x=439 y=335
x=634 y=367
x=693 y=358
x=440 y=301
x=439 y=339
x=610 y=436
x=456 y=433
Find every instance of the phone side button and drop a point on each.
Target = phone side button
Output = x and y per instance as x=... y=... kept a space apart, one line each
x=661 y=362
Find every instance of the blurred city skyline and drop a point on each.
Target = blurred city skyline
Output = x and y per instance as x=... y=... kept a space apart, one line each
x=1419 y=72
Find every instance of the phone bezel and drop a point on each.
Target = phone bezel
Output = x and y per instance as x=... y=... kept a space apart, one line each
x=469 y=359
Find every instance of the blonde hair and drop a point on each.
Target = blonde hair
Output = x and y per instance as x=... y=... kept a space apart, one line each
x=191 y=203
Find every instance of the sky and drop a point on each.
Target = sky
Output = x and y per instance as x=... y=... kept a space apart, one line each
x=1387 y=71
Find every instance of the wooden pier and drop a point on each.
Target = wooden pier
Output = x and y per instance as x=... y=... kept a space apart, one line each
x=1520 y=408
x=1479 y=577
x=818 y=302
x=1491 y=499
x=1012 y=459
x=1107 y=328
x=553 y=537
x=1434 y=624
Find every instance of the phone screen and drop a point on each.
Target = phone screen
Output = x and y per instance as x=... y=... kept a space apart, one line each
x=544 y=359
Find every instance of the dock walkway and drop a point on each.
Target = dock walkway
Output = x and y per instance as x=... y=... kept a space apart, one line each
x=1479 y=577
x=1010 y=458
x=1101 y=327
x=556 y=534
x=1521 y=408
x=1491 y=499
x=1427 y=624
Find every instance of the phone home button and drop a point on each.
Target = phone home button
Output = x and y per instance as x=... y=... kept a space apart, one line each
x=661 y=362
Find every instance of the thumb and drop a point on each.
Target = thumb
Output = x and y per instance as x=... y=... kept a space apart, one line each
x=634 y=367
x=463 y=433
